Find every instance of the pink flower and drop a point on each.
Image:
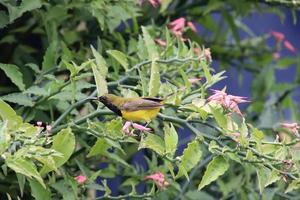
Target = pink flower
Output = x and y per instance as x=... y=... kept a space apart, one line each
x=160 y=42
x=159 y=179
x=155 y=3
x=81 y=179
x=277 y=35
x=292 y=127
x=196 y=51
x=227 y=101
x=135 y=126
x=289 y=46
x=192 y=26
x=276 y=55
x=39 y=123
x=177 y=26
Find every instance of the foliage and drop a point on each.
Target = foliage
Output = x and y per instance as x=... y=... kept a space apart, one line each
x=59 y=55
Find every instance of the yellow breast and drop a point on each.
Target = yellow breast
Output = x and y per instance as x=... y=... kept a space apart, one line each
x=140 y=115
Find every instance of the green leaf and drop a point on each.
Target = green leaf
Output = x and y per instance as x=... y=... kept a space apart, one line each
x=38 y=191
x=217 y=167
x=153 y=142
x=120 y=57
x=7 y=113
x=13 y=73
x=100 y=147
x=100 y=80
x=206 y=72
x=154 y=80
x=21 y=180
x=262 y=176
x=295 y=184
x=219 y=117
x=36 y=91
x=18 y=98
x=25 y=167
x=101 y=63
x=272 y=178
x=150 y=45
x=190 y=158
x=171 y=139
x=50 y=57
x=64 y=143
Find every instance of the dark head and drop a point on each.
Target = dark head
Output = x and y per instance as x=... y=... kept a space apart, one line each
x=111 y=102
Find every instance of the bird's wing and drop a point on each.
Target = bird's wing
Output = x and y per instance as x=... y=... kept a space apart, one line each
x=140 y=104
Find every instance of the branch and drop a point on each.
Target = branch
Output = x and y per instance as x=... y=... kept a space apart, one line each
x=129 y=196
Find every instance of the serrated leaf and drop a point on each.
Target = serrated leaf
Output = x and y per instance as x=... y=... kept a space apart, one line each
x=295 y=184
x=190 y=158
x=100 y=147
x=49 y=59
x=13 y=73
x=217 y=167
x=25 y=167
x=262 y=176
x=64 y=143
x=101 y=63
x=150 y=45
x=36 y=91
x=120 y=57
x=100 y=80
x=38 y=191
x=18 y=98
x=7 y=113
x=171 y=139
x=272 y=178
x=154 y=83
x=153 y=142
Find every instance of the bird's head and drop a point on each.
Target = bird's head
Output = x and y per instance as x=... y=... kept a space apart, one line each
x=107 y=98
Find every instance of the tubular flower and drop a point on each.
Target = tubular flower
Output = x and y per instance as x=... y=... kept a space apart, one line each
x=289 y=46
x=292 y=127
x=279 y=37
x=135 y=126
x=178 y=25
x=159 y=179
x=227 y=101
x=81 y=179
x=155 y=3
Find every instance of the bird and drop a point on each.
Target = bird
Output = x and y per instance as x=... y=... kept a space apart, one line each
x=133 y=109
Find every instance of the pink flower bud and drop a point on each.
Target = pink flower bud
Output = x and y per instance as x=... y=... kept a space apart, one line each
x=140 y=127
x=276 y=55
x=81 y=179
x=192 y=26
x=160 y=42
x=277 y=35
x=289 y=46
x=39 y=123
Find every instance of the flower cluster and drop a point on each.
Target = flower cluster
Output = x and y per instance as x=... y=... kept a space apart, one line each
x=292 y=127
x=159 y=179
x=227 y=101
x=135 y=126
x=178 y=26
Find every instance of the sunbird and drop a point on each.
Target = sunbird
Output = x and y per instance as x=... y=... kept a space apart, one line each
x=133 y=109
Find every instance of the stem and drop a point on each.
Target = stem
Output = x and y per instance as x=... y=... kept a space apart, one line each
x=171 y=60
x=129 y=196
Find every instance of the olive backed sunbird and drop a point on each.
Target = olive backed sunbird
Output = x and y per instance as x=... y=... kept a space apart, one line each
x=133 y=109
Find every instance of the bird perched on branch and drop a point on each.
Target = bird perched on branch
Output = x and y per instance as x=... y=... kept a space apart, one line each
x=133 y=109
